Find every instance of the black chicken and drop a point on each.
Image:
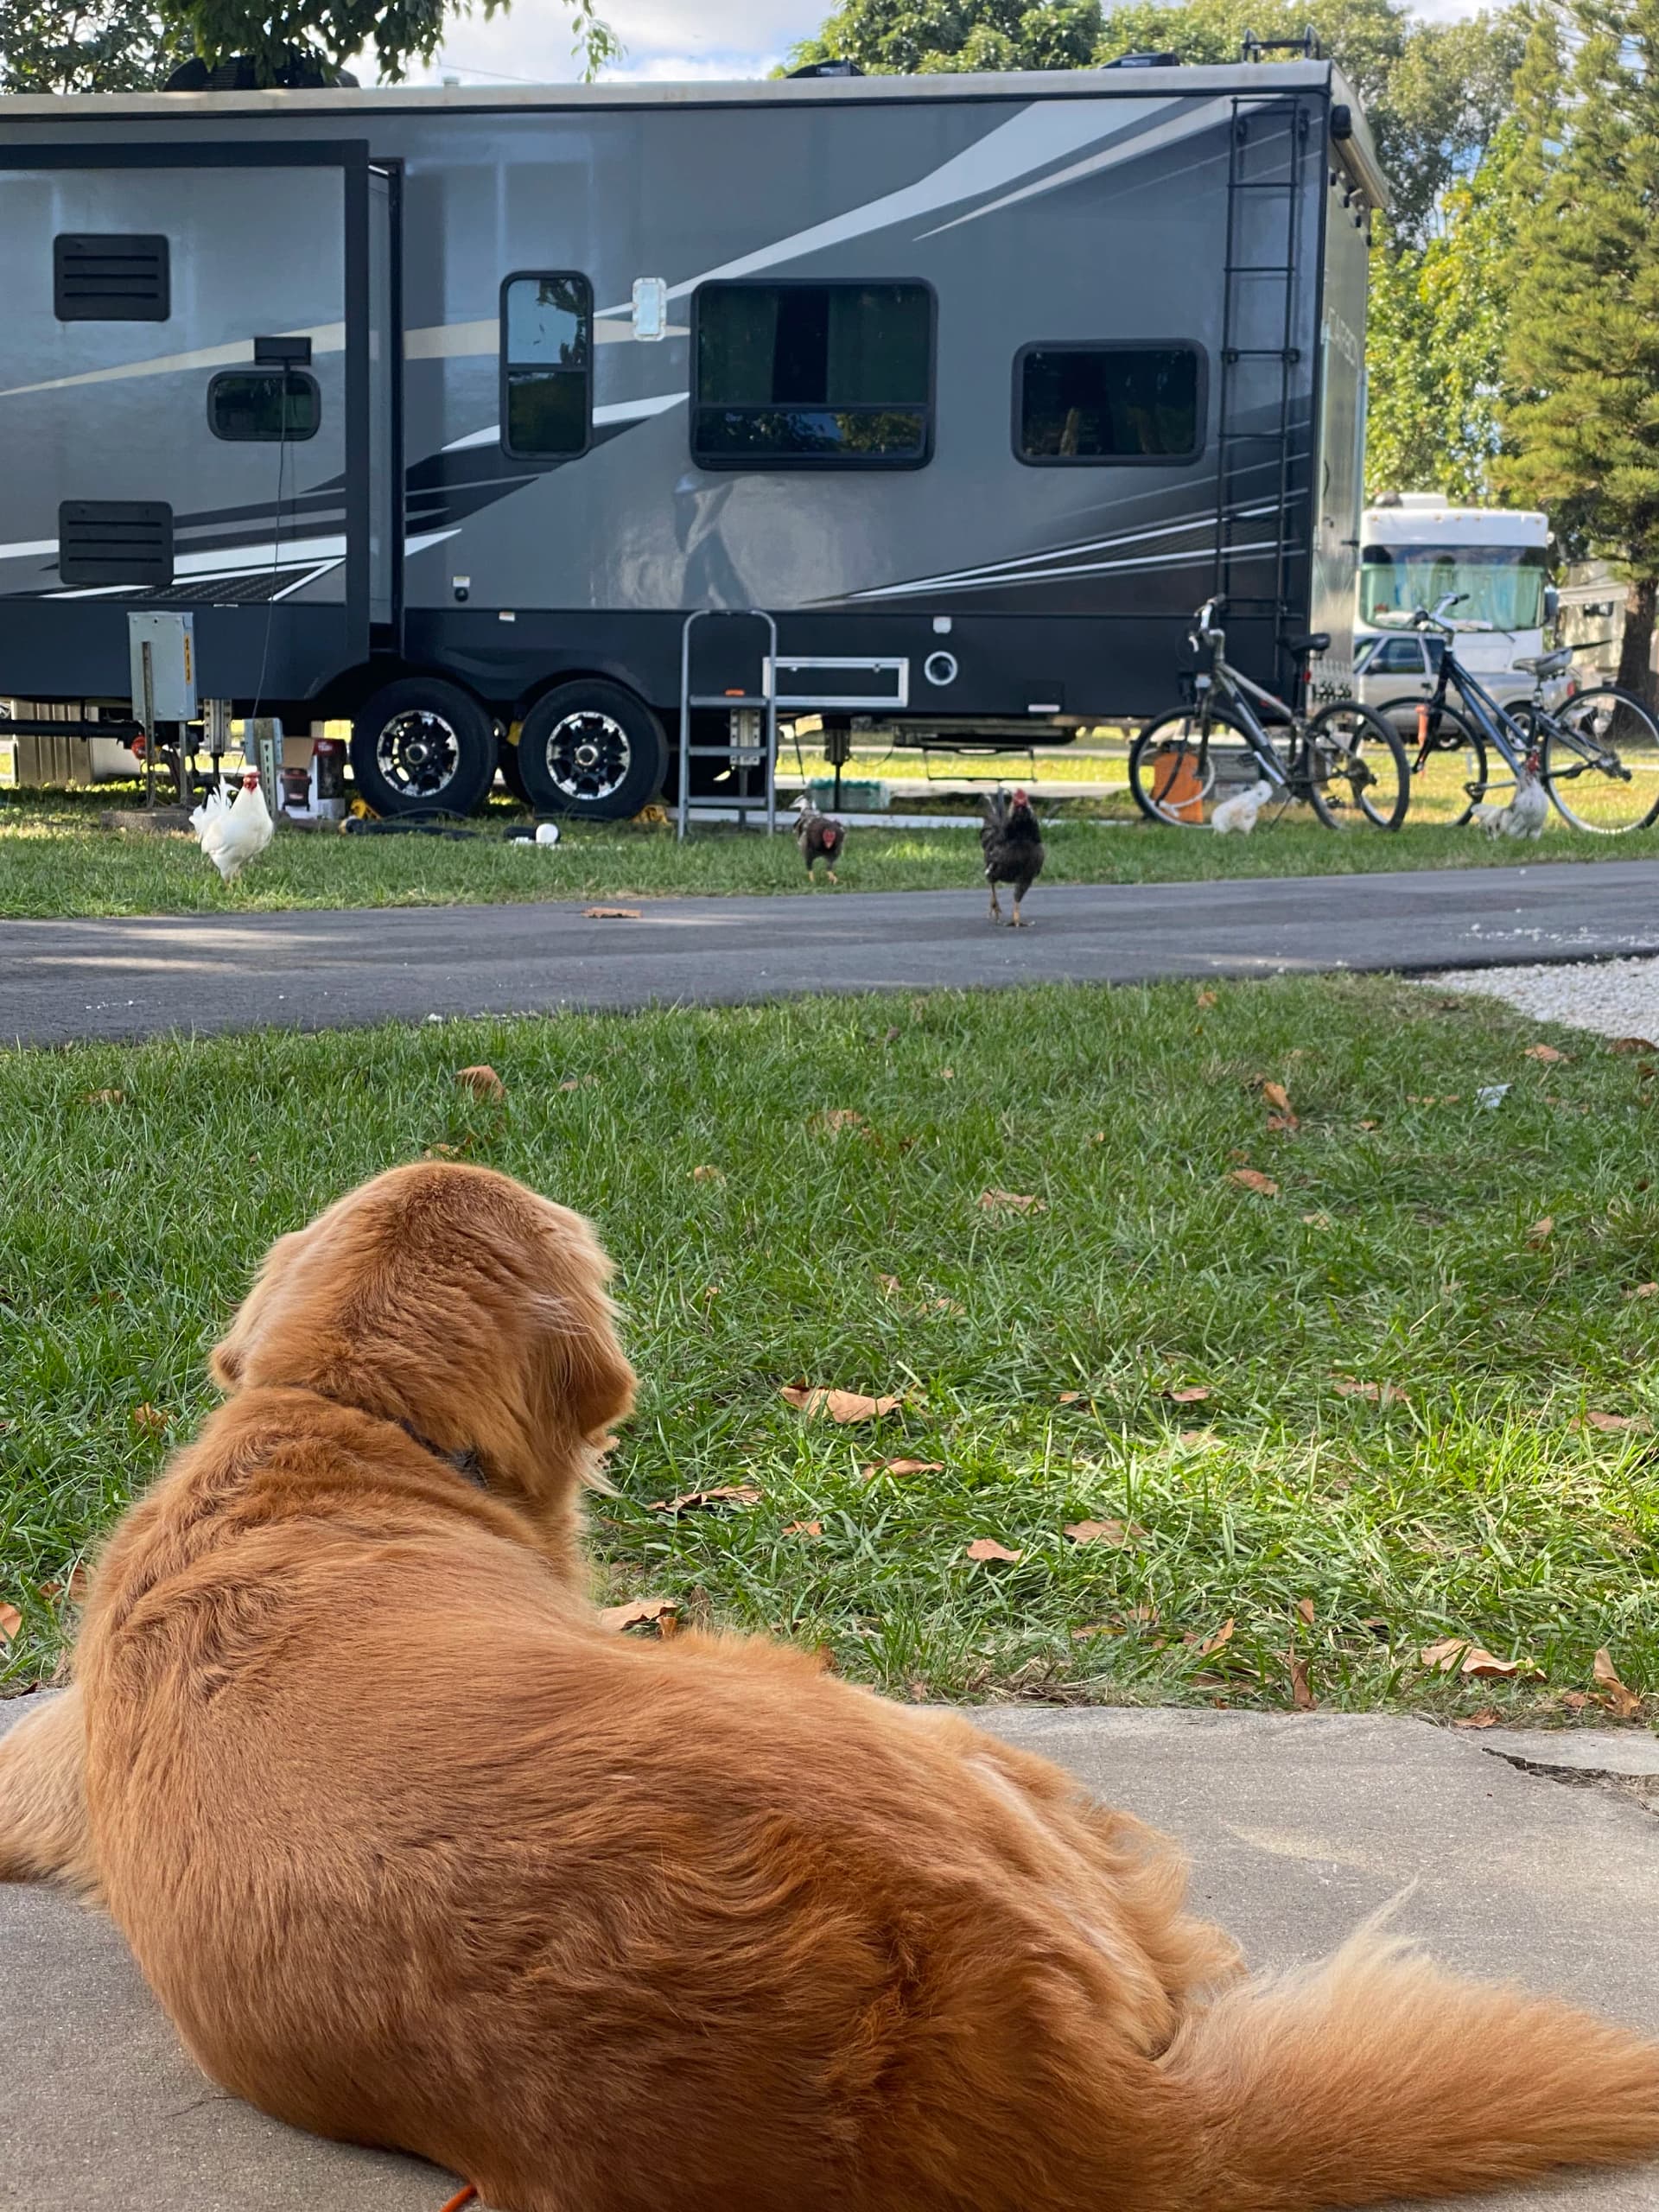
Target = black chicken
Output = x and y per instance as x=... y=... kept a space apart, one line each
x=1014 y=849
x=820 y=837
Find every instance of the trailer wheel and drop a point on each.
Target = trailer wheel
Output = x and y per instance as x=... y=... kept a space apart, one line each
x=422 y=743
x=592 y=749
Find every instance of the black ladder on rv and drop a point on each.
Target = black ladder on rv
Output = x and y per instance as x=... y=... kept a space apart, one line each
x=1255 y=544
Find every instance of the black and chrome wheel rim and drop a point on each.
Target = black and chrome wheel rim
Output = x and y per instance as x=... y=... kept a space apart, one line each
x=588 y=755
x=418 y=753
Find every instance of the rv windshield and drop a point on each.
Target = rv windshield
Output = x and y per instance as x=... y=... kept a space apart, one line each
x=1504 y=585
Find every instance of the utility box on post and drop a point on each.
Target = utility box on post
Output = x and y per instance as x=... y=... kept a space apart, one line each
x=162 y=649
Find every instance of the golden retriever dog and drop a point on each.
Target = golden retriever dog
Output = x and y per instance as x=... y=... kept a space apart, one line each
x=415 y=1854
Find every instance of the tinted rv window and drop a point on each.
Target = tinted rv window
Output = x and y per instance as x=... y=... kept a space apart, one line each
x=264 y=404
x=812 y=376
x=547 y=347
x=1106 y=403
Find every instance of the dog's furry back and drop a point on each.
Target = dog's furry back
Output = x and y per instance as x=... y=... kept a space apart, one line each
x=414 y=1853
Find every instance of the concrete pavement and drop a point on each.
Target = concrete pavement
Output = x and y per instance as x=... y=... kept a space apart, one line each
x=117 y=978
x=1298 y=1825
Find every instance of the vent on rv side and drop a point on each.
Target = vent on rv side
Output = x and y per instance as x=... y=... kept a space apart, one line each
x=113 y=278
x=115 y=542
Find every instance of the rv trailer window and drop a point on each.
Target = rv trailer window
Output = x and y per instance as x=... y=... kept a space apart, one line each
x=1108 y=404
x=547 y=349
x=812 y=376
x=263 y=405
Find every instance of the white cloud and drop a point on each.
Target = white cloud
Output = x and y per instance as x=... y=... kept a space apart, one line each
x=666 y=41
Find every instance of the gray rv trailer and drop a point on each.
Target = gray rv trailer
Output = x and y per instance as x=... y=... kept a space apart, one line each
x=442 y=409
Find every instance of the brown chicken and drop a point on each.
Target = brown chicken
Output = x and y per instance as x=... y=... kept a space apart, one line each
x=820 y=837
x=1014 y=849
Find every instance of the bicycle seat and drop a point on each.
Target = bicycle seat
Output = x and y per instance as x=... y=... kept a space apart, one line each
x=1307 y=641
x=1555 y=664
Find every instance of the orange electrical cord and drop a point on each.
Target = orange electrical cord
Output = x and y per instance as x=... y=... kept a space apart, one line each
x=467 y=2195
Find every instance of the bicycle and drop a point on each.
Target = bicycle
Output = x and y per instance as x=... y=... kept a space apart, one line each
x=1345 y=761
x=1597 y=756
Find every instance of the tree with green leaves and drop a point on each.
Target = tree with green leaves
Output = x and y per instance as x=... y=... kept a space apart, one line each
x=1438 y=331
x=1583 y=353
x=102 y=46
x=922 y=37
x=83 y=46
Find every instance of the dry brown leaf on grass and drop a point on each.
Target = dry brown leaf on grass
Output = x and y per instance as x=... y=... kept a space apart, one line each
x=707 y=1174
x=1070 y=1397
x=872 y=1468
x=1488 y=1717
x=804 y=1528
x=483 y=1082
x=74 y=1589
x=610 y=913
x=1102 y=1532
x=11 y=1622
x=1624 y=1702
x=1304 y=1607
x=947 y=1075
x=987 y=1547
x=103 y=1097
x=839 y=1118
x=1207 y=998
x=1456 y=1654
x=1222 y=1637
x=660 y=1613
x=151 y=1419
x=577 y=1082
x=892 y=1286
x=1545 y=1053
x=1612 y=1424
x=1381 y=1394
x=1301 y=1690
x=1542 y=1231
x=1575 y=1700
x=1252 y=1179
x=1012 y=1201
x=725 y=1494
x=1317 y=1220
x=1644 y=1290
x=839 y=1405
x=444 y=1152
x=1190 y=1393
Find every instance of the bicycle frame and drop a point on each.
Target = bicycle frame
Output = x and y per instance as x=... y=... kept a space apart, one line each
x=1495 y=722
x=1236 y=690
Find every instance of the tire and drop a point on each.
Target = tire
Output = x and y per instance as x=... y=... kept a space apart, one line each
x=1452 y=777
x=1618 y=730
x=1356 y=768
x=593 y=750
x=1182 y=732
x=420 y=744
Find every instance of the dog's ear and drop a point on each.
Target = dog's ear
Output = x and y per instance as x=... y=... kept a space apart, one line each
x=228 y=1361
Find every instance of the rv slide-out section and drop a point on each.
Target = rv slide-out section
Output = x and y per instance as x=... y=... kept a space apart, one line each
x=443 y=410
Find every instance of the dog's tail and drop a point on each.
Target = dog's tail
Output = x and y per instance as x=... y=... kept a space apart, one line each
x=1374 y=2075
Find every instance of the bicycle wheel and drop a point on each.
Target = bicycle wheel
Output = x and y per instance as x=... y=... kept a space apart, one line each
x=1186 y=762
x=1601 y=761
x=1355 y=768
x=1448 y=778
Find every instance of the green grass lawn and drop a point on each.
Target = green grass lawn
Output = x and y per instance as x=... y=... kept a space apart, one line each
x=55 y=861
x=1469 y=1487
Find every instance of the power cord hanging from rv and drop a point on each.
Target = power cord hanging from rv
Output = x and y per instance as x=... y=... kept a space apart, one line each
x=276 y=543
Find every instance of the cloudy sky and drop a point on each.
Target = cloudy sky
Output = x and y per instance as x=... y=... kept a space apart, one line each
x=666 y=40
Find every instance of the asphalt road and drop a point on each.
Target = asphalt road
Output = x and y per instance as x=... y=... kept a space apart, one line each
x=115 y=978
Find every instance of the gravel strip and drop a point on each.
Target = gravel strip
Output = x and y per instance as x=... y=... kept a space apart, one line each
x=1619 y=998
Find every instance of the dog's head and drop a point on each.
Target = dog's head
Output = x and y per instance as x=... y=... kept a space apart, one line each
x=461 y=1305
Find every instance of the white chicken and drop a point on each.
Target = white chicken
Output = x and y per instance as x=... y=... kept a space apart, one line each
x=233 y=831
x=1525 y=815
x=1239 y=813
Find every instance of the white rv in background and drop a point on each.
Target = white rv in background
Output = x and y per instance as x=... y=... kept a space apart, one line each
x=1413 y=549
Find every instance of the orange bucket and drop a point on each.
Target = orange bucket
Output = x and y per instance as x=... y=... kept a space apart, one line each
x=1175 y=785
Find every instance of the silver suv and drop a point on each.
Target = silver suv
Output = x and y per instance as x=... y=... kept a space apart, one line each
x=1394 y=673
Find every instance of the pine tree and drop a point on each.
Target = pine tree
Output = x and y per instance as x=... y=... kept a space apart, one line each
x=1584 y=343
